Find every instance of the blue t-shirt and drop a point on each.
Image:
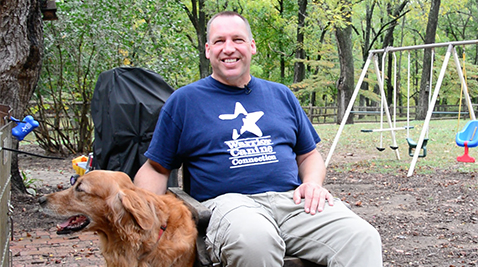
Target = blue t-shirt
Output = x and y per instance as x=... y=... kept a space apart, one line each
x=234 y=140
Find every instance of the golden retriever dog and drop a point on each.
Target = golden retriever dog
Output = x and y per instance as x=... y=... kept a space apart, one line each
x=136 y=227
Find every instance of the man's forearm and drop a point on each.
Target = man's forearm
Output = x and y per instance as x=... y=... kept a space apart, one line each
x=152 y=177
x=311 y=167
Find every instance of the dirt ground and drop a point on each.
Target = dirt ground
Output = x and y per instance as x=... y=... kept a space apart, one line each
x=424 y=220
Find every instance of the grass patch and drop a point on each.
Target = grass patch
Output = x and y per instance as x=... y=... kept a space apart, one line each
x=356 y=151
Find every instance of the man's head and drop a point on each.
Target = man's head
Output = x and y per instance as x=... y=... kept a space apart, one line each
x=229 y=48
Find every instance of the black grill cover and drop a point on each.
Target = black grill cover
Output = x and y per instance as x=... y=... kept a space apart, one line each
x=125 y=108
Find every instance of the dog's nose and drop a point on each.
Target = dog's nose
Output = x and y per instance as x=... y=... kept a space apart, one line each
x=42 y=200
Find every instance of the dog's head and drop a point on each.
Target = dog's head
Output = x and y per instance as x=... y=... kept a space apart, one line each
x=105 y=201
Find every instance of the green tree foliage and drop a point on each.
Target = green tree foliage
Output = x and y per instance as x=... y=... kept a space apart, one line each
x=94 y=36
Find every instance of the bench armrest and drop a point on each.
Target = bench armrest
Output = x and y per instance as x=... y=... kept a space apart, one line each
x=201 y=216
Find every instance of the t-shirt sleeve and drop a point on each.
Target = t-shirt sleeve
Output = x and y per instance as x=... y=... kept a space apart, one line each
x=307 y=137
x=164 y=144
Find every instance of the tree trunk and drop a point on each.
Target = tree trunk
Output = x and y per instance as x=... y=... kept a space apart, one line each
x=201 y=32
x=345 y=84
x=422 y=107
x=366 y=48
x=393 y=12
x=21 y=48
x=197 y=16
x=280 y=9
x=299 y=67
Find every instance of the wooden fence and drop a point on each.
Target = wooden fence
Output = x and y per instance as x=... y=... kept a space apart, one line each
x=5 y=184
x=328 y=114
x=372 y=114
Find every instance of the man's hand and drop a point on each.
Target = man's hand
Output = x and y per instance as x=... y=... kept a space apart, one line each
x=314 y=195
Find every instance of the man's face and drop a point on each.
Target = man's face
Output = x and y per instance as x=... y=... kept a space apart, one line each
x=229 y=49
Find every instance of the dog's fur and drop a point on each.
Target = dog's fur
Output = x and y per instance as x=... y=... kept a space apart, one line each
x=128 y=220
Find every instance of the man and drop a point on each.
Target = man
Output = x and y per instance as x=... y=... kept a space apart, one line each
x=251 y=152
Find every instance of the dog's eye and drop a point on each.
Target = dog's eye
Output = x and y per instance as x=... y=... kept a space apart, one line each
x=78 y=189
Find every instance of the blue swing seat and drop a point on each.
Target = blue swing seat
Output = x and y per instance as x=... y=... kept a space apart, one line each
x=466 y=138
x=466 y=135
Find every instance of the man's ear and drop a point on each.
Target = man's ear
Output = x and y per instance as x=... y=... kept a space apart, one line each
x=253 y=47
x=206 y=51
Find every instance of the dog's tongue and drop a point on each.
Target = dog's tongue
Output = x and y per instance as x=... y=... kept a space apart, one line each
x=73 y=224
x=71 y=220
x=63 y=224
x=67 y=222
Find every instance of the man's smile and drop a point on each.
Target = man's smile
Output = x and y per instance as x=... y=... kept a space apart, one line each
x=230 y=60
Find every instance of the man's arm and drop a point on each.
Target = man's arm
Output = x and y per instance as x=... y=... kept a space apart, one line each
x=152 y=177
x=312 y=173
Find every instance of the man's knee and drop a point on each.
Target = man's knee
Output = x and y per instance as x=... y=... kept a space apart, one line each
x=365 y=245
x=355 y=244
x=367 y=234
x=251 y=243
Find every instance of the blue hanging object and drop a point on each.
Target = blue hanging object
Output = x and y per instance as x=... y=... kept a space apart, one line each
x=24 y=127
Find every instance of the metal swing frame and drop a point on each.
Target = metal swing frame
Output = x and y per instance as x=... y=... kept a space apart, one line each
x=451 y=50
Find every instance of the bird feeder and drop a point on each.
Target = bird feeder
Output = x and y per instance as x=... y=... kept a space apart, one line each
x=48 y=9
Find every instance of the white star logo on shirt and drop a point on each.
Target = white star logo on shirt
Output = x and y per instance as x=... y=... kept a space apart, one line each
x=249 y=122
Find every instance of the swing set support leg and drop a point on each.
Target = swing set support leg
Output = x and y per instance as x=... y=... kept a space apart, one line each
x=430 y=109
x=349 y=109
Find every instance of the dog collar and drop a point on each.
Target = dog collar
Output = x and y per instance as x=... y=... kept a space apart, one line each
x=161 y=231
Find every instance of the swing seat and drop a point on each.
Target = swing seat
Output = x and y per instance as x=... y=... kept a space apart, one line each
x=413 y=145
x=467 y=135
x=466 y=138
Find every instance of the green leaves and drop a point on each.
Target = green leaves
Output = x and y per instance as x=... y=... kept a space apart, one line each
x=94 y=36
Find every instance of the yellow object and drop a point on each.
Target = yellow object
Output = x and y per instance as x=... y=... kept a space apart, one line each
x=461 y=93
x=79 y=164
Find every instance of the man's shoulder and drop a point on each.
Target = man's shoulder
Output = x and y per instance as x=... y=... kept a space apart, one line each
x=260 y=82
x=274 y=87
x=194 y=85
x=188 y=91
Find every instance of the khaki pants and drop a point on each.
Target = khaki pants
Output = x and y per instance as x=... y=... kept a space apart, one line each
x=258 y=230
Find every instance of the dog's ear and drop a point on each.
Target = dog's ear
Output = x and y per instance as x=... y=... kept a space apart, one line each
x=138 y=207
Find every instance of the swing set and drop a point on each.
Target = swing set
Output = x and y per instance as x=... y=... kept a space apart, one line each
x=468 y=133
